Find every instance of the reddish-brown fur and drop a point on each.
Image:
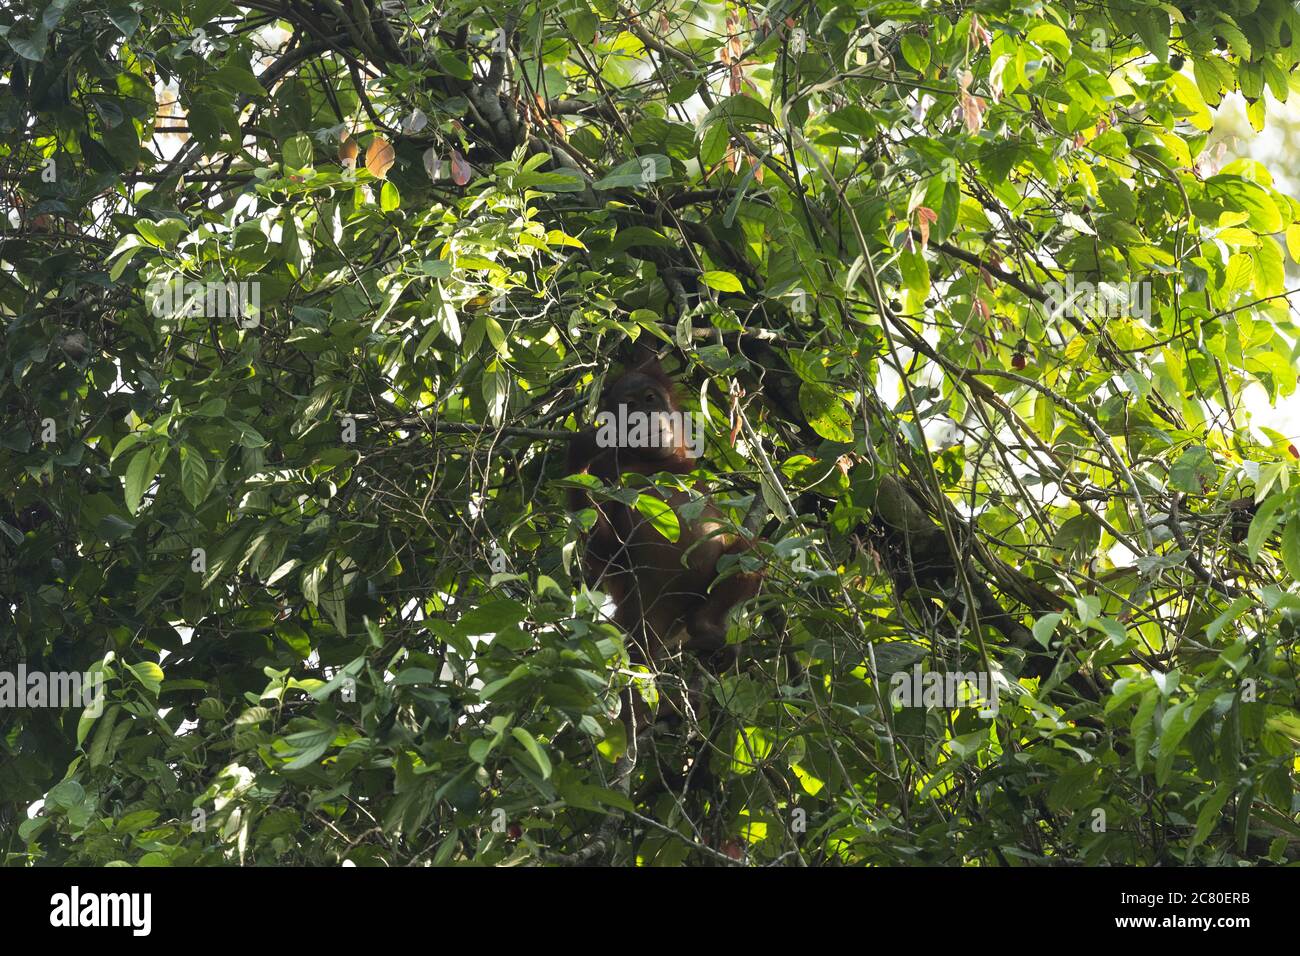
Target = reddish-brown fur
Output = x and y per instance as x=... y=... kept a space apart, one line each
x=661 y=588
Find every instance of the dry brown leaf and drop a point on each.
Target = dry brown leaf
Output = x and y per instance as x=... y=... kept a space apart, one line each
x=348 y=152
x=460 y=171
x=972 y=107
x=924 y=217
x=380 y=157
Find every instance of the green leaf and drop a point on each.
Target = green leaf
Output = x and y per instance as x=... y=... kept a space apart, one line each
x=1143 y=727
x=1293 y=241
x=66 y=795
x=1052 y=38
x=713 y=144
x=741 y=110
x=1291 y=546
x=32 y=827
x=559 y=181
x=84 y=723
x=494 y=616
x=855 y=119
x=1153 y=26
x=100 y=752
x=1194 y=471
x=308 y=747
x=30 y=47
x=1177 y=722
x=660 y=515
x=453 y=65
x=298 y=152
x=1234 y=610
x=496 y=393
x=125 y=19
x=54 y=13
x=140 y=475
x=722 y=281
x=734 y=206
x=1262 y=214
x=235 y=77
x=1262 y=525
x=194 y=475
x=1044 y=627
x=121 y=256
x=1240 y=274
x=826 y=412
x=642 y=171
x=389 y=198
x=149 y=674
x=916 y=51
x=128 y=441
x=534 y=750
x=1210 y=813
x=916 y=274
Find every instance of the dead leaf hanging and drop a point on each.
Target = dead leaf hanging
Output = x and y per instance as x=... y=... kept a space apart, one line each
x=348 y=152
x=380 y=157
x=972 y=107
x=415 y=121
x=460 y=171
x=432 y=164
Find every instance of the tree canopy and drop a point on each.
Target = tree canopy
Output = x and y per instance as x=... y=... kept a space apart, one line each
x=303 y=304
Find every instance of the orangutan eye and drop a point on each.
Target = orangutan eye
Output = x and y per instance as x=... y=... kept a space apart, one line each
x=650 y=397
